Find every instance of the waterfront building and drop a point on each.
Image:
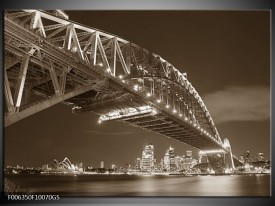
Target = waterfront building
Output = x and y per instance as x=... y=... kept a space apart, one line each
x=171 y=152
x=260 y=156
x=203 y=158
x=166 y=162
x=161 y=164
x=148 y=160
x=178 y=163
x=138 y=163
x=101 y=164
x=188 y=161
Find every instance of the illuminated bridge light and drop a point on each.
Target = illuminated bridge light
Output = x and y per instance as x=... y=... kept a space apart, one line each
x=154 y=112
x=148 y=94
x=202 y=152
x=127 y=112
x=108 y=70
x=136 y=87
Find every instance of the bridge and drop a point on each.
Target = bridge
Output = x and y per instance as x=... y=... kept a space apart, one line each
x=50 y=59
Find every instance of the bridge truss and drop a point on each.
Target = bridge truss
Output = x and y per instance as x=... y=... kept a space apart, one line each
x=50 y=59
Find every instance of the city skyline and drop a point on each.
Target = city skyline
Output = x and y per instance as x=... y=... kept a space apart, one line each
x=227 y=43
x=170 y=163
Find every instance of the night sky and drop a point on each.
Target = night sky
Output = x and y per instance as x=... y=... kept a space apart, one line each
x=226 y=55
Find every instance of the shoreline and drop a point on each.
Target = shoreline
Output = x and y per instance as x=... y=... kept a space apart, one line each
x=117 y=174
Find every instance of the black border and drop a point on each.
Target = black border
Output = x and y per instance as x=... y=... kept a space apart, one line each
x=142 y=5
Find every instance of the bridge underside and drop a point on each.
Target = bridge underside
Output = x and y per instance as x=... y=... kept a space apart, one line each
x=49 y=60
x=157 y=121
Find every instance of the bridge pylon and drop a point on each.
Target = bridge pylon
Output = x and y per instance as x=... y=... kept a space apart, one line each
x=220 y=161
x=228 y=157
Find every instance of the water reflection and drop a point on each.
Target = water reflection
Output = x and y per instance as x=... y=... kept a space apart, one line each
x=123 y=185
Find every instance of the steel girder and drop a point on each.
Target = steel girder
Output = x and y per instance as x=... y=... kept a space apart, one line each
x=65 y=56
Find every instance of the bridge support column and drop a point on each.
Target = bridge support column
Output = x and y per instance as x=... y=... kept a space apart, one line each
x=8 y=95
x=21 y=81
x=220 y=161
x=228 y=157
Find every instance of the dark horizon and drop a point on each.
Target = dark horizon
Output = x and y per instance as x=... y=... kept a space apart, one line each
x=226 y=55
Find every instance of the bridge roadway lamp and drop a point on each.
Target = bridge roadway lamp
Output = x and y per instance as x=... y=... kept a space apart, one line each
x=127 y=112
x=216 y=151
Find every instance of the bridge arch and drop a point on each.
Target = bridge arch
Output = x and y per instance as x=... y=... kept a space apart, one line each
x=58 y=60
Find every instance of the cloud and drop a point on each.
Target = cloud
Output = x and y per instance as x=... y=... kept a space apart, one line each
x=239 y=104
x=109 y=133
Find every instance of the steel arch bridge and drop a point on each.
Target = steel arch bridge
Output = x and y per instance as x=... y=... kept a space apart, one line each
x=50 y=59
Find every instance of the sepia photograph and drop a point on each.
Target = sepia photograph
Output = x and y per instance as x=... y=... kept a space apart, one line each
x=134 y=103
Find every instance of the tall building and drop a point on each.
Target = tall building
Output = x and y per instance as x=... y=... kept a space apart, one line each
x=148 y=160
x=101 y=164
x=169 y=160
x=166 y=162
x=171 y=152
x=161 y=164
x=179 y=163
x=138 y=164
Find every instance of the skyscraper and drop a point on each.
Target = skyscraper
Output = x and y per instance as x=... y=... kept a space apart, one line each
x=166 y=161
x=171 y=153
x=147 y=160
x=138 y=164
x=101 y=164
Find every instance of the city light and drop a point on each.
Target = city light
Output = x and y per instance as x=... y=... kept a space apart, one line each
x=148 y=94
x=154 y=112
x=180 y=115
x=167 y=106
x=174 y=110
x=185 y=118
x=158 y=101
x=100 y=64
x=136 y=87
x=108 y=70
x=120 y=76
x=202 y=152
x=127 y=112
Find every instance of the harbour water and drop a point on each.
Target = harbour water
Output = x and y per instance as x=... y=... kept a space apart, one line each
x=155 y=185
